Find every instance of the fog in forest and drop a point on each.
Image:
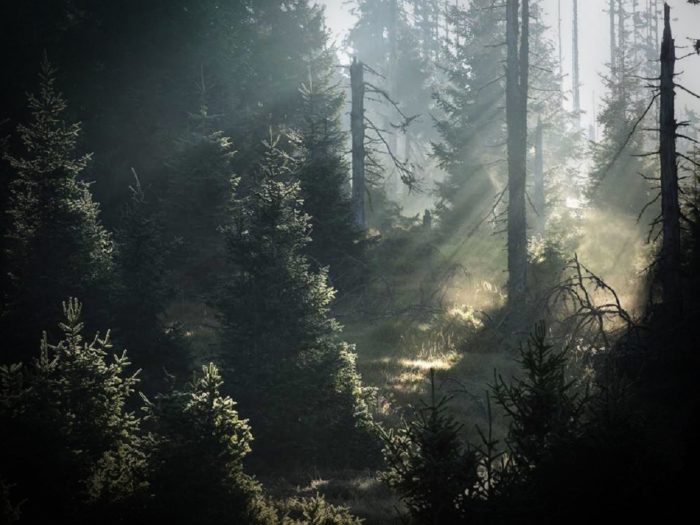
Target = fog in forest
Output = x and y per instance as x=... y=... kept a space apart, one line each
x=298 y=262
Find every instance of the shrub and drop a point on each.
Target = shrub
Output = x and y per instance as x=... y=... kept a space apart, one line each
x=315 y=511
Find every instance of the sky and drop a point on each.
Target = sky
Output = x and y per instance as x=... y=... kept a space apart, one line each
x=594 y=42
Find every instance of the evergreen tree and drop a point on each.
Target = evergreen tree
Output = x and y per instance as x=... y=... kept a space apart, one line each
x=198 y=445
x=429 y=465
x=143 y=288
x=544 y=406
x=323 y=174
x=472 y=125
x=71 y=450
x=616 y=161
x=55 y=244
x=195 y=207
x=281 y=344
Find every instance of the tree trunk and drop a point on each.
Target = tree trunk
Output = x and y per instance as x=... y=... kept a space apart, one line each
x=559 y=45
x=517 y=78
x=575 y=66
x=538 y=176
x=613 y=42
x=393 y=187
x=357 y=125
x=621 y=51
x=670 y=209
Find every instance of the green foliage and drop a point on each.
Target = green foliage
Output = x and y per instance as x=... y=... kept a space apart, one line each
x=143 y=288
x=324 y=174
x=274 y=302
x=547 y=258
x=471 y=105
x=9 y=511
x=429 y=465
x=471 y=118
x=315 y=511
x=195 y=207
x=141 y=262
x=69 y=442
x=198 y=444
x=615 y=180
x=280 y=342
x=544 y=405
x=55 y=244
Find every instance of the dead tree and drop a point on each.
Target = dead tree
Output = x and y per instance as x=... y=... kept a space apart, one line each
x=368 y=139
x=538 y=197
x=670 y=209
x=613 y=49
x=575 y=78
x=357 y=125
x=559 y=45
x=622 y=49
x=517 y=79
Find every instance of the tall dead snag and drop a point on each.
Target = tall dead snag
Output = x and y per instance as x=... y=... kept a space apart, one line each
x=559 y=45
x=613 y=42
x=357 y=125
x=517 y=79
x=538 y=198
x=575 y=78
x=670 y=209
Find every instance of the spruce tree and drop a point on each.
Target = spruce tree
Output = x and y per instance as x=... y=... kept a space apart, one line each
x=144 y=287
x=324 y=174
x=195 y=206
x=472 y=118
x=198 y=445
x=71 y=449
x=545 y=406
x=55 y=244
x=288 y=367
x=616 y=157
x=429 y=465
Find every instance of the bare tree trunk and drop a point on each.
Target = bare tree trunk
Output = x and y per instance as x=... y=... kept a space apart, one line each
x=621 y=50
x=357 y=125
x=656 y=22
x=394 y=185
x=670 y=209
x=576 y=82
x=538 y=196
x=517 y=78
x=561 y=53
x=635 y=24
x=613 y=41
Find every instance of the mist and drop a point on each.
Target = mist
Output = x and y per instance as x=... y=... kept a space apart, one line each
x=343 y=262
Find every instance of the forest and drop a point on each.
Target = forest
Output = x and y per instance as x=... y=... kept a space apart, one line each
x=343 y=262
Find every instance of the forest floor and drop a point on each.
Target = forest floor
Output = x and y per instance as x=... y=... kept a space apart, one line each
x=394 y=360
x=396 y=366
x=394 y=357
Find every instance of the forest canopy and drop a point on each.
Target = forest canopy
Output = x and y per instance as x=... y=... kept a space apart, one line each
x=282 y=262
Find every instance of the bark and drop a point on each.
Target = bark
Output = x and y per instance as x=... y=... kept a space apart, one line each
x=517 y=78
x=394 y=181
x=561 y=56
x=613 y=41
x=538 y=197
x=575 y=65
x=621 y=49
x=670 y=209
x=357 y=125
